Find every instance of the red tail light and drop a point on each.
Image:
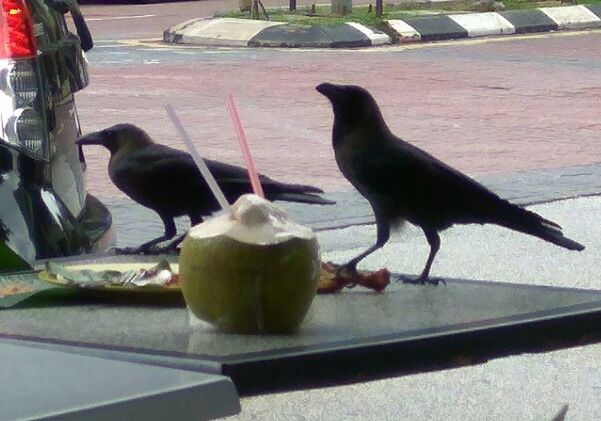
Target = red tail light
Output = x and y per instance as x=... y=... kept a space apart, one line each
x=16 y=31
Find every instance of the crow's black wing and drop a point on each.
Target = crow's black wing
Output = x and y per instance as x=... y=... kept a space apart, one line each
x=174 y=174
x=164 y=179
x=419 y=187
x=235 y=180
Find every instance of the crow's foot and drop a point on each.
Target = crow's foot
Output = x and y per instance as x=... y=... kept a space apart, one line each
x=150 y=250
x=167 y=249
x=423 y=280
x=348 y=271
x=129 y=250
x=135 y=250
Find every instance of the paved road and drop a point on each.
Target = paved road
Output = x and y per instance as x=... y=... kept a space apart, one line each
x=491 y=106
x=146 y=20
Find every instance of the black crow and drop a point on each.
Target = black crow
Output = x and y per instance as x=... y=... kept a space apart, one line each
x=168 y=181
x=405 y=183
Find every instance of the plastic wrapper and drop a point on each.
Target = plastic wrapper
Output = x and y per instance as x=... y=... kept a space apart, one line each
x=254 y=271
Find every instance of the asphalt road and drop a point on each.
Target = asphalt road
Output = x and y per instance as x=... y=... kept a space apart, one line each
x=112 y=21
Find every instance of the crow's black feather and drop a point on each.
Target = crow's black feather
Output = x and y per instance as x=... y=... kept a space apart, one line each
x=168 y=181
x=403 y=182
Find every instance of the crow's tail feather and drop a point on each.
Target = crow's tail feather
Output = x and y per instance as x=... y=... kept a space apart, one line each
x=517 y=218
x=301 y=198
x=274 y=190
x=301 y=193
x=280 y=187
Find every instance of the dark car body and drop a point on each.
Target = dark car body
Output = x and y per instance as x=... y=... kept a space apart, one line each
x=45 y=210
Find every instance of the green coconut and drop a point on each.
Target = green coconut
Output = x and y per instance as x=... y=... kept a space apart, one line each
x=254 y=271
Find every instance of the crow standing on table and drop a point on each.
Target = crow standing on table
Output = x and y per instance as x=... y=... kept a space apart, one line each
x=168 y=181
x=402 y=182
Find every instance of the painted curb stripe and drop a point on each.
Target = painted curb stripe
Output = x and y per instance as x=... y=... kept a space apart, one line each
x=242 y=32
x=376 y=38
x=443 y=27
x=527 y=21
x=595 y=8
x=483 y=24
x=285 y=36
x=220 y=31
x=325 y=36
x=572 y=17
x=345 y=36
x=406 y=32
x=434 y=28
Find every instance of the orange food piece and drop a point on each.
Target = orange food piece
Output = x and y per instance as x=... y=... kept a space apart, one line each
x=331 y=282
x=174 y=281
x=378 y=280
x=14 y=288
x=328 y=282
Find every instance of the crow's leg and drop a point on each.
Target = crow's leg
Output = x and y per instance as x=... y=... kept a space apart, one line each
x=170 y=232
x=172 y=245
x=434 y=241
x=169 y=247
x=383 y=234
x=195 y=218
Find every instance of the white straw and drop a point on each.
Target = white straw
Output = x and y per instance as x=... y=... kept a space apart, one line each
x=200 y=163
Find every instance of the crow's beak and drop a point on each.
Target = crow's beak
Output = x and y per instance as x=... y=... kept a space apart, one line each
x=95 y=138
x=329 y=90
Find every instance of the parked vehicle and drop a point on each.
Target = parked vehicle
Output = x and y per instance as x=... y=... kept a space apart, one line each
x=45 y=210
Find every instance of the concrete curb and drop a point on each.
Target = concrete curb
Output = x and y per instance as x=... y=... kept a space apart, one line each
x=255 y=33
x=471 y=25
x=217 y=31
x=244 y=32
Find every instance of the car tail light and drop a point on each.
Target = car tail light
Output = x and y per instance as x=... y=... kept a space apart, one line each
x=26 y=125
x=16 y=38
x=21 y=82
x=22 y=109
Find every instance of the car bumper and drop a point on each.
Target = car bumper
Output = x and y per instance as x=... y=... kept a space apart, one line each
x=36 y=225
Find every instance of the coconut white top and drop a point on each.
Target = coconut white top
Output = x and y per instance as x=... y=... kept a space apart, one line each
x=253 y=220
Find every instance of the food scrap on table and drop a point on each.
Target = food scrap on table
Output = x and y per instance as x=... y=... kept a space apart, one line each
x=14 y=288
x=160 y=275
x=330 y=281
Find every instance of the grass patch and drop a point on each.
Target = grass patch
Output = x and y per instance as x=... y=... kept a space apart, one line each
x=303 y=16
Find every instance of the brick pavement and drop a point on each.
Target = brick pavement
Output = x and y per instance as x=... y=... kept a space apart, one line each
x=492 y=107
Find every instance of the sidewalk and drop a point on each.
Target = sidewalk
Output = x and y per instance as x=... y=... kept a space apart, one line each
x=526 y=386
x=520 y=387
x=351 y=209
x=233 y=32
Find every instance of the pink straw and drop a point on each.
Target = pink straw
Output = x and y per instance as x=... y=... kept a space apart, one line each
x=250 y=163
